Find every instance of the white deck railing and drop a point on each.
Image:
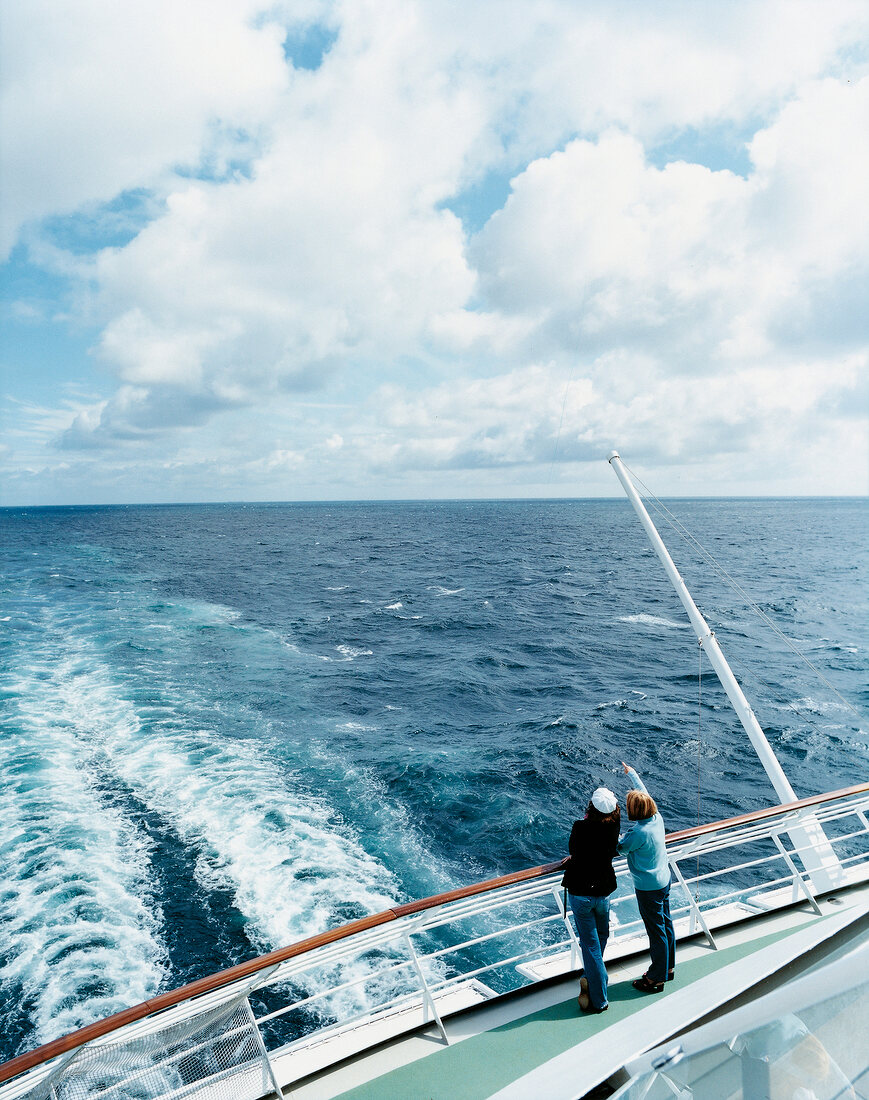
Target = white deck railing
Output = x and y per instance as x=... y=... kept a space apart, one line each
x=277 y=1018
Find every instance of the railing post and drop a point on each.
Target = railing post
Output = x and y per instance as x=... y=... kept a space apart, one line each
x=799 y=881
x=575 y=953
x=270 y=1070
x=427 y=997
x=695 y=908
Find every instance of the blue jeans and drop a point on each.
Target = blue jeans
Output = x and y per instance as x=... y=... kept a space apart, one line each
x=654 y=906
x=592 y=917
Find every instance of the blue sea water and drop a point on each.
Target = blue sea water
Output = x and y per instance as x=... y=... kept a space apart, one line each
x=226 y=727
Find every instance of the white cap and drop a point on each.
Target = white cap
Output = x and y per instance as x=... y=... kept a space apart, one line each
x=604 y=800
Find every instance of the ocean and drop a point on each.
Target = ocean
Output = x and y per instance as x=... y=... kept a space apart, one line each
x=226 y=727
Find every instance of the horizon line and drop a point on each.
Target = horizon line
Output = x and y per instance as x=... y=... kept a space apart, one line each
x=427 y=500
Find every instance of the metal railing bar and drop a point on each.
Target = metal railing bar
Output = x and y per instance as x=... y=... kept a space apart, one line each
x=693 y=906
x=171 y=1059
x=454 y=949
x=427 y=997
x=440 y=952
x=861 y=856
x=279 y=1092
x=175 y=1015
x=719 y=872
x=731 y=836
x=798 y=878
x=772 y=811
x=451 y=949
x=830 y=806
x=396 y=1003
x=798 y=850
x=849 y=836
x=440 y=984
x=388 y=934
x=509 y=961
x=324 y=1034
x=725 y=840
x=333 y=989
x=763 y=887
x=288 y=971
x=490 y=904
x=716 y=902
x=700 y=852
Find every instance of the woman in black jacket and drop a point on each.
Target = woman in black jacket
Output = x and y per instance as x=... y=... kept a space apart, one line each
x=590 y=879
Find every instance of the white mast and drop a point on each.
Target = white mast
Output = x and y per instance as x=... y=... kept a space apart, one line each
x=808 y=837
x=709 y=642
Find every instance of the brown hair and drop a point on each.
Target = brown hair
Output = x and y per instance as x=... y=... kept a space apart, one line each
x=594 y=814
x=640 y=805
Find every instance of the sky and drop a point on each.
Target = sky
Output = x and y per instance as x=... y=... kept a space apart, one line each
x=403 y=249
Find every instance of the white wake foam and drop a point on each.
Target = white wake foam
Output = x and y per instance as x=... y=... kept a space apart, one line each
x=81 y=936
x=350 y=653
x=259 y=834
x=652 y=620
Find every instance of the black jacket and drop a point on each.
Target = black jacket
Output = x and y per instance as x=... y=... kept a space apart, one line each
x=592 y=850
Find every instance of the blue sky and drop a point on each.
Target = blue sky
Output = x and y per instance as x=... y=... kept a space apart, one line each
x=309 y=250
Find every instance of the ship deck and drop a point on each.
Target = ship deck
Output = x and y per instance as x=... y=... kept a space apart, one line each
x=473 y=992
x=537 y=1041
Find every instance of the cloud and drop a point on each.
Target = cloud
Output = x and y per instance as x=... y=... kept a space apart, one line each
x=546 y=415
x=136 y=413
x=601 y=247
x=99 y=98
x=604 y=249
x=297 y=234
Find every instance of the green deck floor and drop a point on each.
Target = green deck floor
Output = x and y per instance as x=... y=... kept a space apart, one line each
x=479 y=1066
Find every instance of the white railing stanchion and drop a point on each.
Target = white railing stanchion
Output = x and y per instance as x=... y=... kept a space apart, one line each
x=575 y=952
x=799 y=881
x=692 y=904
x=427 y=997
x=267 y=1062
x=749 y=867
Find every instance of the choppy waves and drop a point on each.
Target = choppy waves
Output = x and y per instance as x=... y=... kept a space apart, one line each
x=81 y=935
x=286 y=718
x=86 y=936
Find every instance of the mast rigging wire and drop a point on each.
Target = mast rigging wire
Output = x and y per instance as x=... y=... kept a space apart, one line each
x=710 y=559
x=699 y=754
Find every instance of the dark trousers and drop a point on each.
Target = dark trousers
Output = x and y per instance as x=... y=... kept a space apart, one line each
x=654 y=908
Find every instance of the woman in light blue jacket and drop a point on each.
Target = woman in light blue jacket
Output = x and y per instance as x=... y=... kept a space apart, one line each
x=644 y=846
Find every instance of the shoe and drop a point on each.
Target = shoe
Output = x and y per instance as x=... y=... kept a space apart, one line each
x=583 y=999
x=592 y=1011
x=671 y=974
x=645 y=985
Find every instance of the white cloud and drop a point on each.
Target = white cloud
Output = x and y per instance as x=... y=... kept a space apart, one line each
x=603 y=246
x=606 y=249
x=812 y=169
x=670 y=305
x=99 y=98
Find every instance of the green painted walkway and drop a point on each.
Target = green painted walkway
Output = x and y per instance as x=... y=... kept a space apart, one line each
x=479 y=1066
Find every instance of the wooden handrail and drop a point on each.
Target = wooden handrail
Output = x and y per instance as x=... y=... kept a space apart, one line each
x=222 y=978
x=768 y=811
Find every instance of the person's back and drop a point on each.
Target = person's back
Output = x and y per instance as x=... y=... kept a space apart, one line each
x=593 y=846
x=646 y=851
x=589 y=880
x=645 y=846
